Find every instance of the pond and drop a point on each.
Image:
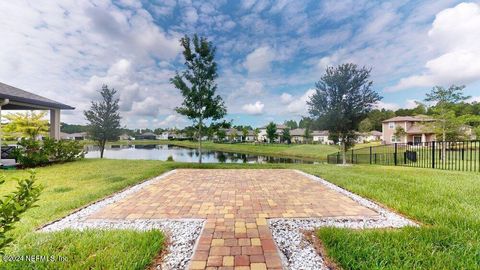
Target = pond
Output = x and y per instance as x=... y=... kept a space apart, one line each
x=182 y=154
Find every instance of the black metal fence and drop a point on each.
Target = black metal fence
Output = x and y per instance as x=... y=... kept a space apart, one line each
x=455 y=155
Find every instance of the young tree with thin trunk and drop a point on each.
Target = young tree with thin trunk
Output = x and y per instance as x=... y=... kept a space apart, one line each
x=307 y=134
x=197 y=84
x=286 y=137
x=271 y=132
x=104 y=118
x=343 y=97
x=255 y=133
x=244 y=133
x=446 y=121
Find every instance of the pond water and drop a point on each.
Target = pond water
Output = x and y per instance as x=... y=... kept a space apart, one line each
x=182 y=154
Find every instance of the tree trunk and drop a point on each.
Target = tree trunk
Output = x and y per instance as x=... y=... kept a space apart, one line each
x=102 y=148
x=200 y=141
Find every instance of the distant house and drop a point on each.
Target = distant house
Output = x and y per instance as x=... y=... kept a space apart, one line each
x=146 y=136
x=371 y=136
x=124 y=137
x=250 y=136
x=166 y=135
x=80 y=136
x=321 y=136
x=297 y=135
x=262 y=135
x=414 y=126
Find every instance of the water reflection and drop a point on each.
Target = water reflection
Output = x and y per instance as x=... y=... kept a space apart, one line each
x=181 y=154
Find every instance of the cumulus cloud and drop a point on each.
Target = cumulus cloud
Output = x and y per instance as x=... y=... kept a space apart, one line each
x=69 y=49
x=286 y=98
x=387 y=106
x=259 y=60
x=172 y=120
x=254 y=108
x=455 y=35
x=298 y=105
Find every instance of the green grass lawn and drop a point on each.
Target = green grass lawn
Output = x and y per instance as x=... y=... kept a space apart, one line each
x=446 y=202
x=73 y=185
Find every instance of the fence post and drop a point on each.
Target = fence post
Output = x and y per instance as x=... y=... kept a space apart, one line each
x=370 y=155
x=352 y=156
x=433 y=154
x=395 y=157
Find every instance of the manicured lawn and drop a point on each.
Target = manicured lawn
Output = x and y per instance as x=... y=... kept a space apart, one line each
x=73 y=185
x=446 y=202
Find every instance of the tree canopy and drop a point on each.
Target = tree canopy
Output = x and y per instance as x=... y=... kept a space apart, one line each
x=104 y=118
x=344 y=96
x=29 y=124
x=197 y=84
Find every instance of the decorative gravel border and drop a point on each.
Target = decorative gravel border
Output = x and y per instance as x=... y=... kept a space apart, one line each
x=299 y=253
x=183 y=233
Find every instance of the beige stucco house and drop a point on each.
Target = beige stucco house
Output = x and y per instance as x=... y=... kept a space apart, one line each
x=416 y=130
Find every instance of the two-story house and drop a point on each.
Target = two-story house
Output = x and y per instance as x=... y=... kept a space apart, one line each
x=416 y=131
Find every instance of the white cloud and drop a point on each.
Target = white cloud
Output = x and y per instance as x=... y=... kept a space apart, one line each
x=259 y=60
x=286 y=98
x=474 y=99
x=69 y=49
x=455 y=35
x=173 y=120
x=298 y=105
x=387 y=106
x=255 y=108
x=191 y=15
x=411 y=103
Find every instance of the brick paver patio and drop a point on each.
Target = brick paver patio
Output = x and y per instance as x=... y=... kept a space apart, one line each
x=236 y=205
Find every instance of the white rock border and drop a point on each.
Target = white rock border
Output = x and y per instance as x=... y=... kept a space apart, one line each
x=299 y=253
x=183 y=233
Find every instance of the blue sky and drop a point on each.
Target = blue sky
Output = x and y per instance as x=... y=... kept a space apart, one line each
x=270 y=53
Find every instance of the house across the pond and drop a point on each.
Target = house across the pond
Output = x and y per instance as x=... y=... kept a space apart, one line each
x=80 y=136
x=415 y=127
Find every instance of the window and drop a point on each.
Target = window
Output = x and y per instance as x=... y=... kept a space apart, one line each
x=391 y=125
x=395 y=139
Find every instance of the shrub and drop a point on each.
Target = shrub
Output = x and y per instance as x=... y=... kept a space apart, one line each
x=170 y=158
x=32 y=153
x=13 y=205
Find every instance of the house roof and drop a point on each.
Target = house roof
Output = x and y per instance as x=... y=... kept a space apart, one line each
x=320 y=133
x=27 y=100
x=297 y=132
x=376 y=133
x=417 y=118
x=278 y=127
x=78 y=134
x=418 y=129
x=148 y=134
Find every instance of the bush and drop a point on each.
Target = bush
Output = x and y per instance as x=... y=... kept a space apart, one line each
x=33 y=153
x=170 y=158
x=13 y=205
